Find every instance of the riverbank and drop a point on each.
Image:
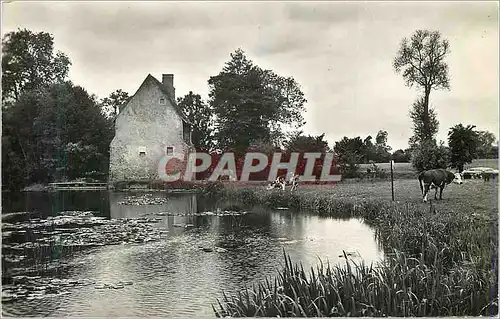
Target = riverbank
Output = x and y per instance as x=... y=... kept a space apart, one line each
x=125 y=186
x=443 y=261
x=188 y=186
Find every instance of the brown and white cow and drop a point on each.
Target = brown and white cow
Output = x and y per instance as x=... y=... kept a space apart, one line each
x=281 y=182
x=437 y=178
x=294 y=181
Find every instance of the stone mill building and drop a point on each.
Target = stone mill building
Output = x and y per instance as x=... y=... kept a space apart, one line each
x=148 y=127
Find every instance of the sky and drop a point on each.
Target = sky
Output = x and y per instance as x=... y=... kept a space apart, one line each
x=341 y=54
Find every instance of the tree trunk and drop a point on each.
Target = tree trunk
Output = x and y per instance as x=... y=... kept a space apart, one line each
x=427 y=133
x=25 y=157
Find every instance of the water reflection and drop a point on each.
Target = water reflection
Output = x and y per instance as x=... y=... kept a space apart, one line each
x=50 y=203
x=174 y=276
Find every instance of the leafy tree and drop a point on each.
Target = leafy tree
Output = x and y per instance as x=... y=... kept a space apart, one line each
x=239 y=104
x=72 y=132
x=494 y=151
x=267 y=147
x=200 y=115
x=13 y=163
x=421 y=60
x=369 y=150
x=18 y=144
x=59 y=133
x=252 y=104
x=29 y=63
x=428 y=155
x=381 y=138
x=417 y=115
x=308 y=144
x=463 y=143
x=349 y=153
x=263 y=146
x=113 y=104
x=381 y=147
x=486 y=144
x=289 y=99
x=400 y=156
x=302 y=144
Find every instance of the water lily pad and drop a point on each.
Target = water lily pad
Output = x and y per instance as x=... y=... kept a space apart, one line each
x=126 y=283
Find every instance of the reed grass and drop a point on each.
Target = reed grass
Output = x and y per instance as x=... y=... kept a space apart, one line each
x=401 y=286
x=438 y=263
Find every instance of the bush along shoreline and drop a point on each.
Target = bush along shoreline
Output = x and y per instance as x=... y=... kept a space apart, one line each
x=437 y=263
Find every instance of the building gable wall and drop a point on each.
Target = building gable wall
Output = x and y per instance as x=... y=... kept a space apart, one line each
x=149 y=125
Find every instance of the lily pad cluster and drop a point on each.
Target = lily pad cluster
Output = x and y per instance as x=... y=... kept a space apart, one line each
x=118 y=285
x=210 y=249
x=37 y=241
x=36 y=287
x=207 y=213
x=65 y=220
x=144 y=199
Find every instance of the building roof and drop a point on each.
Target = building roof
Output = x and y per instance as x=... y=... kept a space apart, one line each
x=164 y=91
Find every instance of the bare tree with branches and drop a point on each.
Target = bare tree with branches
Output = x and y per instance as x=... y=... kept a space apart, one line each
x=421 y=60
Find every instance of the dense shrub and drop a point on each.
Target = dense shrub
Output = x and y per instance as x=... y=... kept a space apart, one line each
x=374 y=172
x=429 y=155
x=401 y=156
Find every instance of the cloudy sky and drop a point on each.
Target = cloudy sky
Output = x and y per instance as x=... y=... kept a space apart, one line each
x=341 y=53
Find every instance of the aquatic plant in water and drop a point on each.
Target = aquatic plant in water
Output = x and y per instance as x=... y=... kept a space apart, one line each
x=400 y=286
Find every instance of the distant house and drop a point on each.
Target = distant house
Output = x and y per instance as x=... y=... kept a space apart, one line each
x=149 y=126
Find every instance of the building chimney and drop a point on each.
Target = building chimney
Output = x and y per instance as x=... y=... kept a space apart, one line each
x=168 y=81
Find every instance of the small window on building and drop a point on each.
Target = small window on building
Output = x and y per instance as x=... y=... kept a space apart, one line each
x=163 y=101
x=170 y=150
x=142 y=151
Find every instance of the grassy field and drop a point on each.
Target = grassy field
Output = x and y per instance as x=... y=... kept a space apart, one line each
x=441 y=260
x=493 y=163
x=473 y=194
x=407 y=168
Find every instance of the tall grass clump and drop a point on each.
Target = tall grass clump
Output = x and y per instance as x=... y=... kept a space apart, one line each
x=312 y=201
x=400 y=286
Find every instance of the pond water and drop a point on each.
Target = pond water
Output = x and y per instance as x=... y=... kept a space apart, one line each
x=190 y=263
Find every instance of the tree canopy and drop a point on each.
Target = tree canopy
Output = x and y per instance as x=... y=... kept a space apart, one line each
x=463 y=142
x=252 y=104
x=59 y=133
x=350 y=153
x=421 y=60
x=113 y=104
x=200 y=115
x=29 y=63
x=429 y=155
x=52 y=130
x=487 y=143
x=302 y=143
x=417 y=115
